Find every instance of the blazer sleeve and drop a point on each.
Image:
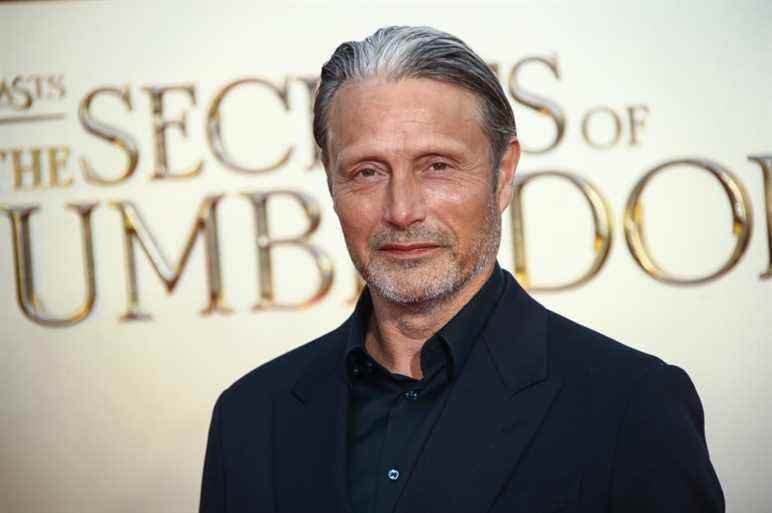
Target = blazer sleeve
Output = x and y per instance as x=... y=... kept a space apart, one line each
x=213 y=480
x=661 y=462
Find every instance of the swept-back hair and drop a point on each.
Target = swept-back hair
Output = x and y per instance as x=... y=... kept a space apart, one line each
x=395 y=53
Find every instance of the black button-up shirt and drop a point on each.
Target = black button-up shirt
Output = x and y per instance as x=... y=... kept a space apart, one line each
x=391 y=415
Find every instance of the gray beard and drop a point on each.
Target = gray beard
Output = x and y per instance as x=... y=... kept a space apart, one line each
x=435 y=288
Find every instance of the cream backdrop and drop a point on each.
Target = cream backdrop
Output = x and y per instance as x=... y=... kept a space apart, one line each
x=111 y=416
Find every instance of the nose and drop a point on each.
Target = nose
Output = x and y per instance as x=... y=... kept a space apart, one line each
x=406 y=203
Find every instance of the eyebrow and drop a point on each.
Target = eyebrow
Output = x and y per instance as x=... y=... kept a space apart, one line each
x=447 y=147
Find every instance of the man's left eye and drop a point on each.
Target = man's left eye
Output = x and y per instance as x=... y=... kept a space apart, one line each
x=439 y=166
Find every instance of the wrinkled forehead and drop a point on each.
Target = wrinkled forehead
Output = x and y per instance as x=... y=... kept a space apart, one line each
x=405 y=115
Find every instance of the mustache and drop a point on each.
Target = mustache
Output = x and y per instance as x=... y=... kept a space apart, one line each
x=412 y=234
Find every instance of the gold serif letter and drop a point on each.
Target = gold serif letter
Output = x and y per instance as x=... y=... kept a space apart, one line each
x=311 y=84
x=161 y=125
x=30 y=303
x=135 y=230
x=765 y=161
x=112 y=135
x=742 y=221
x=601 y=218
x=265 y=245
x=538 y=103
x=213 y=129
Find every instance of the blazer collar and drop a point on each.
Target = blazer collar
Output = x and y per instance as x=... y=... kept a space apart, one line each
x=516 y=336
x=327 y=367
x=458 y=335
x=309 y=436
x=496 y=407
x=504 y=386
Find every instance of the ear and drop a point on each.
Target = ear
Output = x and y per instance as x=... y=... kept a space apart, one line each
x=506 y=172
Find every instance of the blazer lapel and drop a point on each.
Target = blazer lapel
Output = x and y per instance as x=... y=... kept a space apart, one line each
x=310 y=437
x=495 y=408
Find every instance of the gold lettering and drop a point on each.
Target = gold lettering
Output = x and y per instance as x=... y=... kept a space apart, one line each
x=765 y=161
x=19 y=89
x=265 y=244
x=38 y=81
x=539 y=103
x=214 y=136
x=601 y=218
x=586 y=127
x=29 y=302
x=161 y=125
x=57 y=162
x=135 y=229
x=635 y=121
x=742 y=221
x=311 y=84
x=112 y=135
x=56 y=85
x=6 y=98
x=20 y=169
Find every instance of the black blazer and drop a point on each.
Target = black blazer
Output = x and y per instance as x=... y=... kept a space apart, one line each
x=547 y=416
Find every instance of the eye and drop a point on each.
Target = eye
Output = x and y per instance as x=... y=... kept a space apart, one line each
x=439 y=166
x=366 y=172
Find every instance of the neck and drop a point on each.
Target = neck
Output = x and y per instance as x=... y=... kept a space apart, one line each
x=397 y=332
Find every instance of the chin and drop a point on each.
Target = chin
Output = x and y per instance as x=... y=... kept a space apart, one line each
x=415 y=282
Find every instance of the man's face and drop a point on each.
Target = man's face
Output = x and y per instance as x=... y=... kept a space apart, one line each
x=410 y=175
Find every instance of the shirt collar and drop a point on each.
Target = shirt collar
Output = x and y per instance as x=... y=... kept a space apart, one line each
x=459 y=334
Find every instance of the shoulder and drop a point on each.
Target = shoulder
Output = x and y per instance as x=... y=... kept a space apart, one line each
x=639 y=385
x=577 y=350
x=280 y=373
x=647 y=409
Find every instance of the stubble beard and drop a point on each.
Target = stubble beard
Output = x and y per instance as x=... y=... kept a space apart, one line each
x=431 y=279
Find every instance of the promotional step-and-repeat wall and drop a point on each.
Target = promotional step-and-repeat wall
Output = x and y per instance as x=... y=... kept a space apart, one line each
x=166 y=225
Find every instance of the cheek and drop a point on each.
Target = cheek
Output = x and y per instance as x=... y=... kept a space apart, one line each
x=465 y=189
x=357 y=221
x=461 y=210
x=448 y=197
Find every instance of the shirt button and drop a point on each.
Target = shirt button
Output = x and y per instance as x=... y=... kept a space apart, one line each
x=411 y=394
x=393 y=474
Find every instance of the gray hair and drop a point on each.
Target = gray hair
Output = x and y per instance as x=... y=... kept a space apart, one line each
x=417 y=52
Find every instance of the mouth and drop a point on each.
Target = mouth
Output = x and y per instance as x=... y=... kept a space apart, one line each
x=411 y=250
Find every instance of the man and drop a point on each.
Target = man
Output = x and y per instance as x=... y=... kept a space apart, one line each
x=448 y=389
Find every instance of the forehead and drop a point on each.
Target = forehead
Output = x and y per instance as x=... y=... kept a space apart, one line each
x=411 y=115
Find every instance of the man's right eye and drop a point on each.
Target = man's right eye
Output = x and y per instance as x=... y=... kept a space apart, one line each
x=367 y=172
